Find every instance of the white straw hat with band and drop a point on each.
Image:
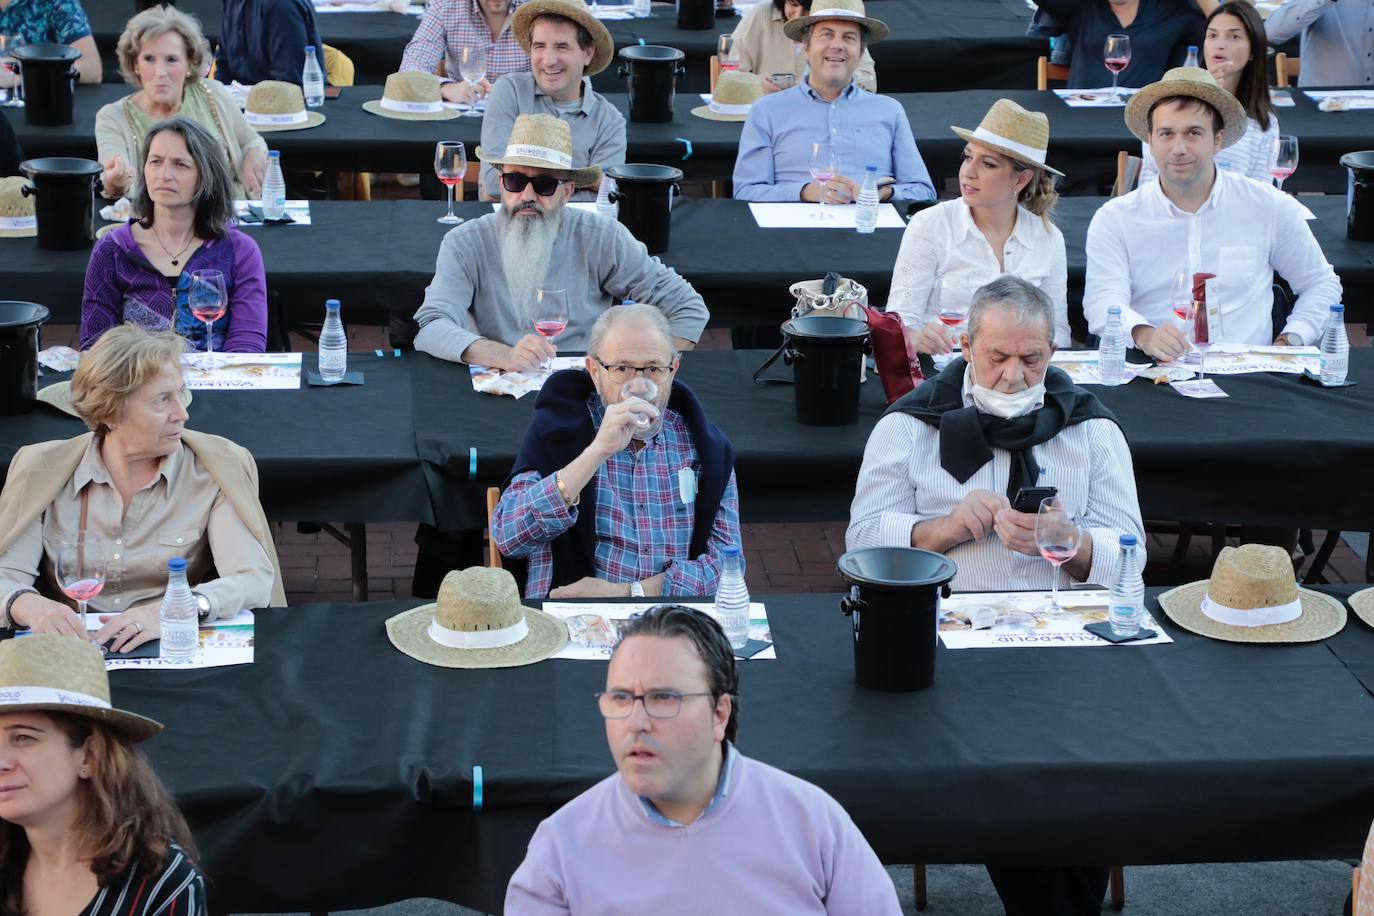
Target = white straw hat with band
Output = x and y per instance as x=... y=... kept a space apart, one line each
x=18 y=219
x=850 y=10
x=1363 y=604
x=542 y=141
x=736 y=92
x=47 y=672
x=1252 y=596
x=1194 y=83
x=274 y=105
x=411 y=96
x=1015 y=132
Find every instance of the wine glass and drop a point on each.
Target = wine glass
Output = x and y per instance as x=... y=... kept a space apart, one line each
x=450 y=164
x=645 y=389
x=726 y=53
x=208 y=300
x=1285 y=158
x=81 y=568
x=550 y=316
x=823 y=168
x=14 y=97
x=472 y=67
x=1116 y=54
x=1057 y=538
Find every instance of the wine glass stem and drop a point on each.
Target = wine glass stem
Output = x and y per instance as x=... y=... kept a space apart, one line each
x=450 y=201
x=1280 y=185
x=1116 y=93
x=82 y=606
x=1054 y=586
x=209 y=344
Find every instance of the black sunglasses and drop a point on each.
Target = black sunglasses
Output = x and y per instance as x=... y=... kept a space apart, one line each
x=544 y=185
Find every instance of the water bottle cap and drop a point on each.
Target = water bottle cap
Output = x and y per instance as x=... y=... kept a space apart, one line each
x=331 y=303
x=1128 y=540
x=1192 y=49
x=176 y=564
x=1338 y=308
x=273 y=154
x=1114 y=310
x=310 y=49
x=871 y=168
x=731 y=551
x=628 y=302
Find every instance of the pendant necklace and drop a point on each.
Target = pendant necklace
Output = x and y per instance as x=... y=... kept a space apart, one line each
x=176 y=258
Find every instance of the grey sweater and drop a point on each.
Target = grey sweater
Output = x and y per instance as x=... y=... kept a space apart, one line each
x=596 y=260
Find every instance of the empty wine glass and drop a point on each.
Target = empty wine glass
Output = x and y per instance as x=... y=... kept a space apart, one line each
x=81 y=568
x=823 y=168
x=450 y=164
x=1116 y=54
x=208 y=300
x=472 y=67
x=645 y=389
x=550 y=316
x=1057 y=538
x=1285 y=158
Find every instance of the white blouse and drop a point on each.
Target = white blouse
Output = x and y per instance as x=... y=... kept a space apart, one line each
x=942 y=242
x=1253 y=155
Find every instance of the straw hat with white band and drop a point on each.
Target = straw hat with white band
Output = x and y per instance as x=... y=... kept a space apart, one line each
x=17 y=218
x=1363 y=603
x=543 y=142
x=46 y=672
x=275 y=105
x=522 y=23
x=477 y=622
x=411 y=96
x=1193 y=82
x=848 y=10
x=1252 y=597
x=1014 y=132
x=736 y=92
x=59 y=394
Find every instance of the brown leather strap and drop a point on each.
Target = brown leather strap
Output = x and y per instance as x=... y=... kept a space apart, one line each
x=81 y=530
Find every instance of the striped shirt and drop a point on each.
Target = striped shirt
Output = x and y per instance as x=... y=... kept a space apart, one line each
x=1253 y=155
x=449 y=26
x=902 y=483
x=643 y=527
x=178 y=890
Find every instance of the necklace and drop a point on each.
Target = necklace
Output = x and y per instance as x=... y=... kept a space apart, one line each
x=176 y=258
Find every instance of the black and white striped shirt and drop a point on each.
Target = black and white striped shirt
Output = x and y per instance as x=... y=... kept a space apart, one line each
x=178 y=890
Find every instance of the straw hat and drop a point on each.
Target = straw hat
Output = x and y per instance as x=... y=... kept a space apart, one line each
x=59 y=395
x=1363 y=603
x=543 y=142
x=17 y=219
x=411 y=96
x=274 y=105
x=1015 y=132
x=1252 y=597
x=477 y=622
x=523 y=21
x=851 y=10
x=53 y=673
x=1193 y=82
x=736 y=92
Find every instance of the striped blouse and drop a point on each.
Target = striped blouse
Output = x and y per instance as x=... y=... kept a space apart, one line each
x=1252 y=155
x=178 y=890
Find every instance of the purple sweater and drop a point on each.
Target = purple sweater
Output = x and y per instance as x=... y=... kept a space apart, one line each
x=772 y=844
x=122 y=286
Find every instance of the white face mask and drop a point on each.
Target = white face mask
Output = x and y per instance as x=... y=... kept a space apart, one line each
x=1006 y=406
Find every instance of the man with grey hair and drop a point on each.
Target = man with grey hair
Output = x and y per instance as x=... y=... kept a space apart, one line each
x=620 y=489
x=481 y=307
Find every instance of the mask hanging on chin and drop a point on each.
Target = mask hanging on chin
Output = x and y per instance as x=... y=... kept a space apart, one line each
x=1007 y=406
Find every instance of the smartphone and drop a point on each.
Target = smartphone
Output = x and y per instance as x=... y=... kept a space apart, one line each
x=1028 y=499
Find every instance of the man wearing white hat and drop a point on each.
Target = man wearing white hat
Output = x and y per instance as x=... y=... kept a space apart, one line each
x=775 y=147
x=480 y=307
x=567 y=46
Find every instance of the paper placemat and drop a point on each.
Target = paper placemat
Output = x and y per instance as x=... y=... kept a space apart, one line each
x=816 y=216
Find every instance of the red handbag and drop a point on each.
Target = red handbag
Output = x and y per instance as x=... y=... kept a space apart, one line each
x=898 y=366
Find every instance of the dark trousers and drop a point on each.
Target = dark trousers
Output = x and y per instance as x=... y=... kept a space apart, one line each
x=1050 y=890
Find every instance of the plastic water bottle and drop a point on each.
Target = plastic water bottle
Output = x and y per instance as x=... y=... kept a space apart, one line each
x=1335 y=348
x=642 y=9
x=180 y=618
x=274 y=188
x=603 y=198
x=333 y=344
x=1191 y=59
x=1128 y=590
x=732 y=598
x=866 y=217
x=1111 y=350
x=312 y=79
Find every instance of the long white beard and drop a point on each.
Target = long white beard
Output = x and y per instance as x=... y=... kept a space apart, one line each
x=526 y=246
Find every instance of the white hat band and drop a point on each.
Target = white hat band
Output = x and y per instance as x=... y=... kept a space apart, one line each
x=478 y=639
x=18 y=222
x=24 y=696
x=268 y=120
x=542 y=153
x=833 y=13
x=1258 y=617
x=412 y=107
x=720 y=108
x=1030 y=152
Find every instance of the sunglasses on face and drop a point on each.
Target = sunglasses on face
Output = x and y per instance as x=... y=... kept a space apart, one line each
x=544 y=185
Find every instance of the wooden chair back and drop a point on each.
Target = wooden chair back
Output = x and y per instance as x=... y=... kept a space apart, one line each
x=1046 y=71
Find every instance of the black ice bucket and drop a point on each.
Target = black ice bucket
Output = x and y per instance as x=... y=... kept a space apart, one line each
x=64 y=192
x=826 y=355
x=49 y=76
x=19 y=323
x=696 y=14
x=645 y=195
x=1359 y=202
x=894 y=601
x=652 y=71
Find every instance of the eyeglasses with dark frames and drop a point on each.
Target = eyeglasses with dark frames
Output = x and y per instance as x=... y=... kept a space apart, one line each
x=621 y=372
x=544 y=185
x=658 y=704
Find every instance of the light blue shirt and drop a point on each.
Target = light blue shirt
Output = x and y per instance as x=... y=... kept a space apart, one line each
x=775 y=146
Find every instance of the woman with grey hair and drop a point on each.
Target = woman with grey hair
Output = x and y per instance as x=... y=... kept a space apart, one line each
x=164 y=53
x=141 y=272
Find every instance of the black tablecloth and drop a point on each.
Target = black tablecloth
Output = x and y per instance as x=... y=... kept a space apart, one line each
x=336 y=773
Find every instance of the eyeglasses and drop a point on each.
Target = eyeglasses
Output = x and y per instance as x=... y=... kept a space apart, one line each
x=659 y=704
x=620 y=372
x=544 y=185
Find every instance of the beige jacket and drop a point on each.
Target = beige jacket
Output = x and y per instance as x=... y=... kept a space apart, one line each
x=38 y=472
x=115 y=135
x=765 y=50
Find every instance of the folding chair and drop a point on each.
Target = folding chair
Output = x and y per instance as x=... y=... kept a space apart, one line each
x=1127 y=173
x=1286 y=69
x=1046 y=71
x=493 y=555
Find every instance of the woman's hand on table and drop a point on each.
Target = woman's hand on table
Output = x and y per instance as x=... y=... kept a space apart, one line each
x=132 y=628
x=43 y=615
x=253 y=172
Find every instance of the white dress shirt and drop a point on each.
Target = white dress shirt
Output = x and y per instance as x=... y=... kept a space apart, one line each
x=1337 y=39
x=1243 y=232
x=943 y=242
x=902 y=483
x=1253 y=155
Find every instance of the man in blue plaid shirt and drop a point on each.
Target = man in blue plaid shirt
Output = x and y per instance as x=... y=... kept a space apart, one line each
x=614 y=495
x=449 y=26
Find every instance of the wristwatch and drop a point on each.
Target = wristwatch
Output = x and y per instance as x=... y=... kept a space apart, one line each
x=636 y=589
x=203 y=608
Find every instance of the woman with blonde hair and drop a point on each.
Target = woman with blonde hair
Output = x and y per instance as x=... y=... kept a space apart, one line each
x=164 y=53
x=999 y=225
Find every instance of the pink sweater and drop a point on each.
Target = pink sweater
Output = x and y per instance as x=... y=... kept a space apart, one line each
x=773 y=844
